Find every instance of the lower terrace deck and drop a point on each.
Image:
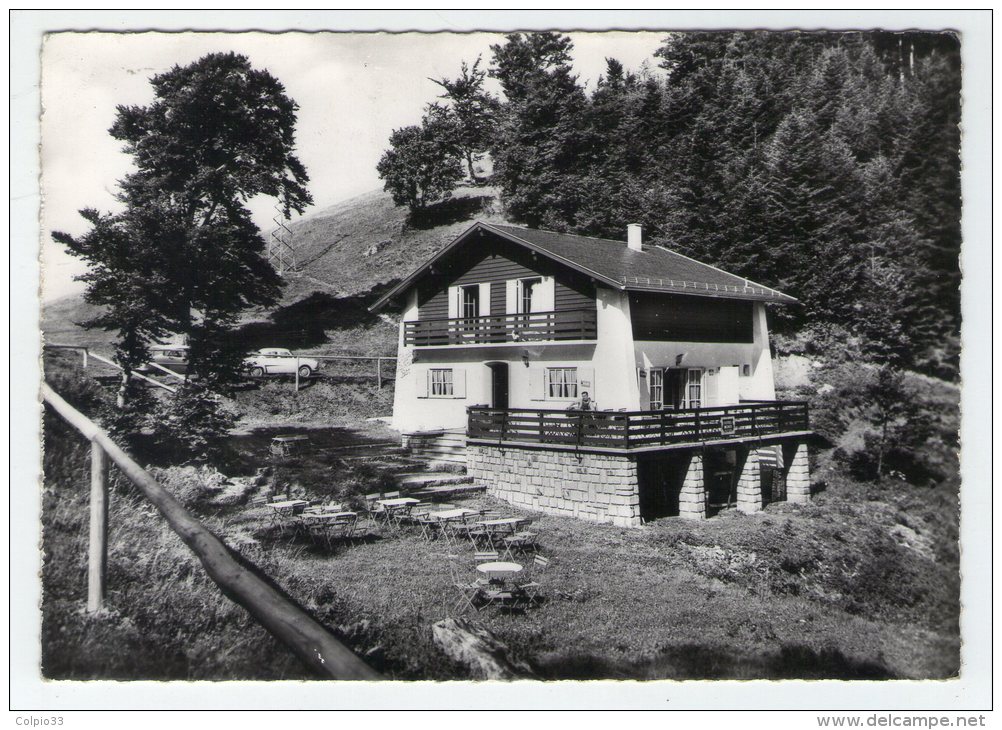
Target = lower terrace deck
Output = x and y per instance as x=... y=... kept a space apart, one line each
x=638 y=431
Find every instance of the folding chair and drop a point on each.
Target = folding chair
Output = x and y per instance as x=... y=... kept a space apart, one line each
x=468 y=591
x=317 y=529
x=530 y=588
x=450 y=529
x=521 y=543
x=486 y=556
x=428 y=525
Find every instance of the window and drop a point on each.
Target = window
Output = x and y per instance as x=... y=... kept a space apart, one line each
x=657 y=385
x=441 y=383
x=470 y=302
x=525 y=295
x=694 y=389
x=561 y=382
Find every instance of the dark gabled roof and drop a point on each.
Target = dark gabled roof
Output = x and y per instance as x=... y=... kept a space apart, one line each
x=613 y=263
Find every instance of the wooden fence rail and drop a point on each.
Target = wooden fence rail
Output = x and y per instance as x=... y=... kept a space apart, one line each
x=307 y=638
x=101 y=358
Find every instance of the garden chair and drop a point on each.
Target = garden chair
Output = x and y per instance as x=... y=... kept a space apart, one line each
x=486 y=556
x=521 y=543
x=318 y=530
x=343 y=528
x=391 y=495
x=469 y=591
x=428 y=524
x=530 y=588
x=451 y=529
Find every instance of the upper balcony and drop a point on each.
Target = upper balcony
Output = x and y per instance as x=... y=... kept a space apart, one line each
x=560 y=326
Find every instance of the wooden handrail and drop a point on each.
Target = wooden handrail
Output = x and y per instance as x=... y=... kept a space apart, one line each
x=557 y=325
x=627 y=430
x=307 y=638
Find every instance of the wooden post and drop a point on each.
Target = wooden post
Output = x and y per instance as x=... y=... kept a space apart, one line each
x=379 y=373
x=85 y=358
x=98 y=550
x=297 y=373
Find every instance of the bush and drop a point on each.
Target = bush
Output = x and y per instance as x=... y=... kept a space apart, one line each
x=190 y=423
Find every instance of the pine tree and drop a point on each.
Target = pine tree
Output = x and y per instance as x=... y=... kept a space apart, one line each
x=473 y=110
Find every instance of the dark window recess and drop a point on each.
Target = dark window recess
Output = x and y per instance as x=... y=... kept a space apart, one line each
x=672 y=318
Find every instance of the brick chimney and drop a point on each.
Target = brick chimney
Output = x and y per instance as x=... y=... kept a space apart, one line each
x=635 y=237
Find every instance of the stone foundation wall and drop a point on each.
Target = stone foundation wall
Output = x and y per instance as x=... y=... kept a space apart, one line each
x=594 y=487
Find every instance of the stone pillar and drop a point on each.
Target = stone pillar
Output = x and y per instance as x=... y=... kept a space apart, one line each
x=749 y=482
x=692 y=496
x=797 y=470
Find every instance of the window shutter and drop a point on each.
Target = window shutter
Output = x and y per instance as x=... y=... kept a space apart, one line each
x=544 y=296
x=421 y=377
x=453 y=302
x=727 y=386
x=710 y=384
x=485 y=299
x=537 y=384
x=586 y=382
x=458 y=383
x=511 y=296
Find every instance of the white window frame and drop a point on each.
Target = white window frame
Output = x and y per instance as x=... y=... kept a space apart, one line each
x=535 y=282
x=476 y=300
x=441 y=383
x=561 y=387
x=694 y=382
x=657 y=403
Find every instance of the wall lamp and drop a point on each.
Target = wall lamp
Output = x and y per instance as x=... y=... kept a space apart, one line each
x=525 y=358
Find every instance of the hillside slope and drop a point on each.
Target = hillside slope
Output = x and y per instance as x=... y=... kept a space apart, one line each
x=344 y=254
x=366 y=242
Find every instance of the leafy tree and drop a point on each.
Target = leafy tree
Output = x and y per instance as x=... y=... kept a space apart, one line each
x=422 y=165
x=472 y=109
x=184 y=255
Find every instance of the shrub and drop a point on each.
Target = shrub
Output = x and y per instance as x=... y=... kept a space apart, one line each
x=190 y=423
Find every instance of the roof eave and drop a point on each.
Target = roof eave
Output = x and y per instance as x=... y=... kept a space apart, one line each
x=771 y=295
x=419 y=271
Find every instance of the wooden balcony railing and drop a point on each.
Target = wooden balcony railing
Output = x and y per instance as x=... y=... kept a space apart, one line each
x=572 y=324
x=636 y=429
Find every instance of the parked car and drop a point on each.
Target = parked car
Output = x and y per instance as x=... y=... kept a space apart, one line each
x=172 y=357
x=278 y=361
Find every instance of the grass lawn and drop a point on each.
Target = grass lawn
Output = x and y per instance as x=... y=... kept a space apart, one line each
x=862 y=583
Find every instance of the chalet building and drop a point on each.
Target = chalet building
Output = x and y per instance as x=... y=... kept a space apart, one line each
x=614 y=382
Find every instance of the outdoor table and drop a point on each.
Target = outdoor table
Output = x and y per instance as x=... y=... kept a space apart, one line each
x=500 y=571
x=398 y=502
x=290 y=505
x=325 y=522
x=398 y=507
x=282 y=511
x=453 y=514
x=330 y=516
x=502 y=526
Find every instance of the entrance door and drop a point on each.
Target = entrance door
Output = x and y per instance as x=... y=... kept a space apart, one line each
x=683 y=388
x=499 y=384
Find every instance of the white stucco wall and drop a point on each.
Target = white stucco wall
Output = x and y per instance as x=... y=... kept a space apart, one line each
x=614 y=358
x=609 y=357
x=759 y=385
